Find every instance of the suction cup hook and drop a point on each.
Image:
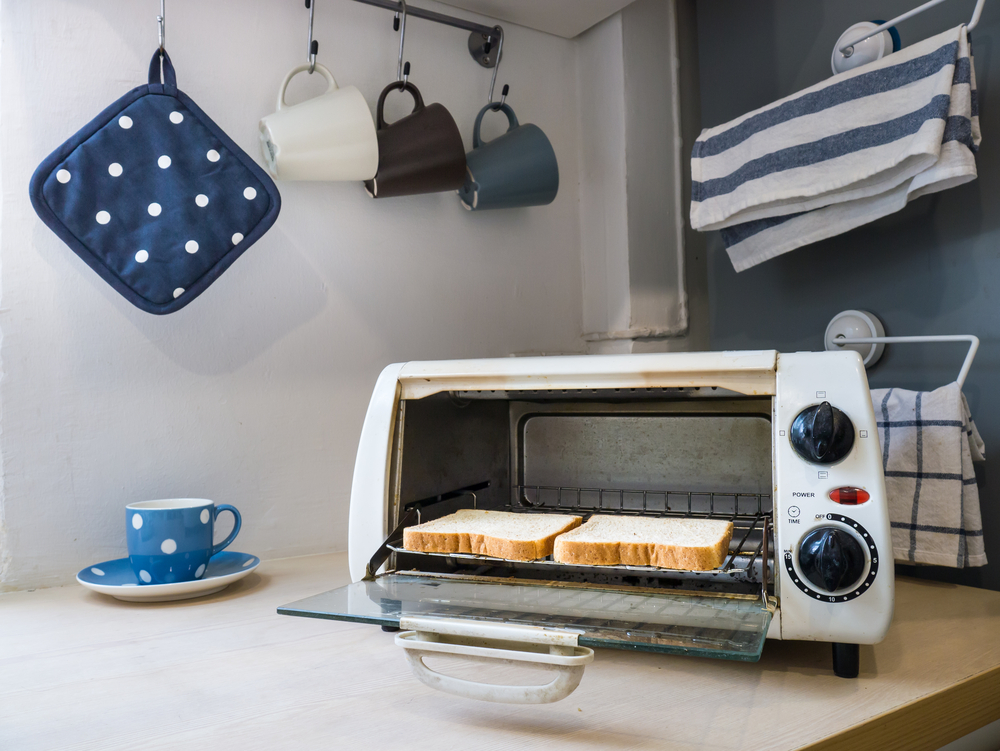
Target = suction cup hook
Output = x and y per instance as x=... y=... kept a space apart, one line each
x=853 y=324
x=851 y=52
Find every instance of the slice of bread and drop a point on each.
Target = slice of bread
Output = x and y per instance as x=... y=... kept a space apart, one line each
x=501 y=534
x=687 y=544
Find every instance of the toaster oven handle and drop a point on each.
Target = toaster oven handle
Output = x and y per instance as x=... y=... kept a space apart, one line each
x=493 y=643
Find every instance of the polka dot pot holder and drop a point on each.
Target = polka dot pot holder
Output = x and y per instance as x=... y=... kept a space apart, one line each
x=153 y=196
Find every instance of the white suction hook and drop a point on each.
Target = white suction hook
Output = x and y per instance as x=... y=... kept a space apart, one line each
x=861 y=44
x=312 y=47
x=856 y=324
x=863 y=332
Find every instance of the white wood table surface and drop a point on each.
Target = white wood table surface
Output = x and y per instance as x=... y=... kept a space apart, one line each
x=80 y=670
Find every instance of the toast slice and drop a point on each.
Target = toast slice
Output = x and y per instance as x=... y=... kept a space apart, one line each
x=687 y=544
x=501 y=534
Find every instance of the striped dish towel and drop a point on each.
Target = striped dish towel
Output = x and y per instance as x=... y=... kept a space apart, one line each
x=929 y=442
x=840 y=154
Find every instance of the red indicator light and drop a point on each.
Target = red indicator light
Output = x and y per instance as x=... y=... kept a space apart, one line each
x=849 y=496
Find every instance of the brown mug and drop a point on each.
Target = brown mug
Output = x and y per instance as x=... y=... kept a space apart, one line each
x=420 y=153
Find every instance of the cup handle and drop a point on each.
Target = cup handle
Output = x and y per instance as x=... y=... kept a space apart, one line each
x=505 y=108
x=418 y=101
x=323 y=71
x=237 y=519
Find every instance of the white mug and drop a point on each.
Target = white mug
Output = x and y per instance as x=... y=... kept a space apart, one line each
x=329 y=137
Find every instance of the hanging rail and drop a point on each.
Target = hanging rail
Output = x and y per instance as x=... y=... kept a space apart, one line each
x=479 y=50
x=848 y=49
x=966 y=365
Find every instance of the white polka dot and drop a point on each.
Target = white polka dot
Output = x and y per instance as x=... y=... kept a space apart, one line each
x=176 y=118
x=247 y=563
x=163 y=161
x=142 y=256
x=97 y=570
x=63 y=176
x=168 y=546
x=103 y=217
x=136 y=521
x=237 y=238
x=250 y=194
x=201 y=199
x=115 y=169
x=191 y=246
x=213 y=155
x=178 y=292
x=154 y=209
x=199 y=571
x=125 y=121
x=205 y=516
x=144 y=575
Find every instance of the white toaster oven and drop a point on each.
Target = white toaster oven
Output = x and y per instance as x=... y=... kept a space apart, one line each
x=783 y=445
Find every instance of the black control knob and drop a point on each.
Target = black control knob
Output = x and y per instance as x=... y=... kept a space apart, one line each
x=831 y=558
x=822 y=434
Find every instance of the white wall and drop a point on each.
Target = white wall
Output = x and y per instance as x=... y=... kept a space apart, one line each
x=632 y=205
x=255 y=393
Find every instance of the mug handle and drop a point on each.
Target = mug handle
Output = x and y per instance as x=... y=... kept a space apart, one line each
x=418 y=101
x=505 y=108
x=323 y=70
x=237 y=519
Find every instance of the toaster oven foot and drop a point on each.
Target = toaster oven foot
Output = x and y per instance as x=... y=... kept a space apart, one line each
x=846 y=660
x=390 y=629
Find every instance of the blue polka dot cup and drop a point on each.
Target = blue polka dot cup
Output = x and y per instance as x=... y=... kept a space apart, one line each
x=171 y=540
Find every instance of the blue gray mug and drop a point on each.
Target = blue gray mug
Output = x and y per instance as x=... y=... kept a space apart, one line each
x=516 y=169
x=170 y=541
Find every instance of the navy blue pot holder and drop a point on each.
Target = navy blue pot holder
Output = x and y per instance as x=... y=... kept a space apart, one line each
x=153 y=196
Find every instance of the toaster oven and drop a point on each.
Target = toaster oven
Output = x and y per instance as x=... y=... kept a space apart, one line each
x=782 y=445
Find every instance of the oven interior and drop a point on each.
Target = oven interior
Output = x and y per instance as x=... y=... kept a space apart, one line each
x=699 y=452
x=630 y=451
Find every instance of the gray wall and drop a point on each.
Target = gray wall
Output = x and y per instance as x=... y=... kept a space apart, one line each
x=933 y=268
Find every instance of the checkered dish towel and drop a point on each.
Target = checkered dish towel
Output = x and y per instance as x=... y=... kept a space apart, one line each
x=845 y=152
x=929 y=442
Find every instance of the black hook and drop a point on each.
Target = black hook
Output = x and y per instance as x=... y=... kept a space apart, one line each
x=395 y=22
x=406 y=75
x=314 y=49
x=308 y=4
x=503 y=97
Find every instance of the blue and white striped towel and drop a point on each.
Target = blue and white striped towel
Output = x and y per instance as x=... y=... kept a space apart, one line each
x=840 y=154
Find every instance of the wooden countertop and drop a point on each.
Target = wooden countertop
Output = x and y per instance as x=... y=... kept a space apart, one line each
x=80 y=670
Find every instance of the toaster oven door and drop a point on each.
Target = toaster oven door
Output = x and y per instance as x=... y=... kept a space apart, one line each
x=709 y=625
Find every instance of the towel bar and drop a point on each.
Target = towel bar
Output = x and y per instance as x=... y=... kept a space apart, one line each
x=844 y=49
x=843 y=329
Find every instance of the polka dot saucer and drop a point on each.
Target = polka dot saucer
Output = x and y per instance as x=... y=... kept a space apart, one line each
x=116 y=578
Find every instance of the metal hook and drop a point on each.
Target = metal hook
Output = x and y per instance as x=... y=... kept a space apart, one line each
x=402 y=37
x=496 y=67
x=312 y=48
x=161 y=22
x=406 y=75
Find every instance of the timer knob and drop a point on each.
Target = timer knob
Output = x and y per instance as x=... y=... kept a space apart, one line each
x=831 y=558
x=822 y=434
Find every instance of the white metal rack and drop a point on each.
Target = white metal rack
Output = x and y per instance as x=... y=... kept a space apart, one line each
x=866 y=42
x=843 y=332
